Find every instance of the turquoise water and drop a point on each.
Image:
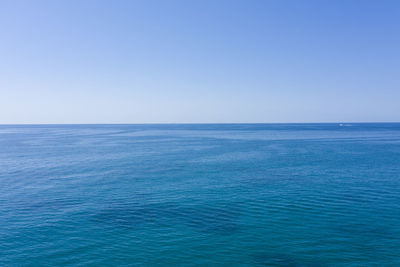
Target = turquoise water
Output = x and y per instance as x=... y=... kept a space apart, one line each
x=200 y=195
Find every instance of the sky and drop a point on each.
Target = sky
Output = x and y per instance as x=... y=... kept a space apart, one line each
x=199 y=61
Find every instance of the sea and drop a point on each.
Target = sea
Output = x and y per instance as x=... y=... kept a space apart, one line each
x=200 y=195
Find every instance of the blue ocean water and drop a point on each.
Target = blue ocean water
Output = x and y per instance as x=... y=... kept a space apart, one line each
x=200 y=195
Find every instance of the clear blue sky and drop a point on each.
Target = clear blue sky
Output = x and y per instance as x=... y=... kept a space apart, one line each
x=199 y=61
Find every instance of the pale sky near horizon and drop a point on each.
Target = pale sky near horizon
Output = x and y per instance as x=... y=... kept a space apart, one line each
x=199 y=61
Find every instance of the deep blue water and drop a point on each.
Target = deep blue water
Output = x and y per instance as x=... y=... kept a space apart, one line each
x=200 y=195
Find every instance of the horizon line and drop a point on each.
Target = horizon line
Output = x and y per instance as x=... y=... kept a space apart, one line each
x=201 y=123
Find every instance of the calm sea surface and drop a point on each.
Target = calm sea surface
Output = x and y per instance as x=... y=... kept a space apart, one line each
x=200 y=195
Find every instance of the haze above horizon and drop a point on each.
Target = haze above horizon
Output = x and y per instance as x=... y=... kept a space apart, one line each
x=199 y=61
